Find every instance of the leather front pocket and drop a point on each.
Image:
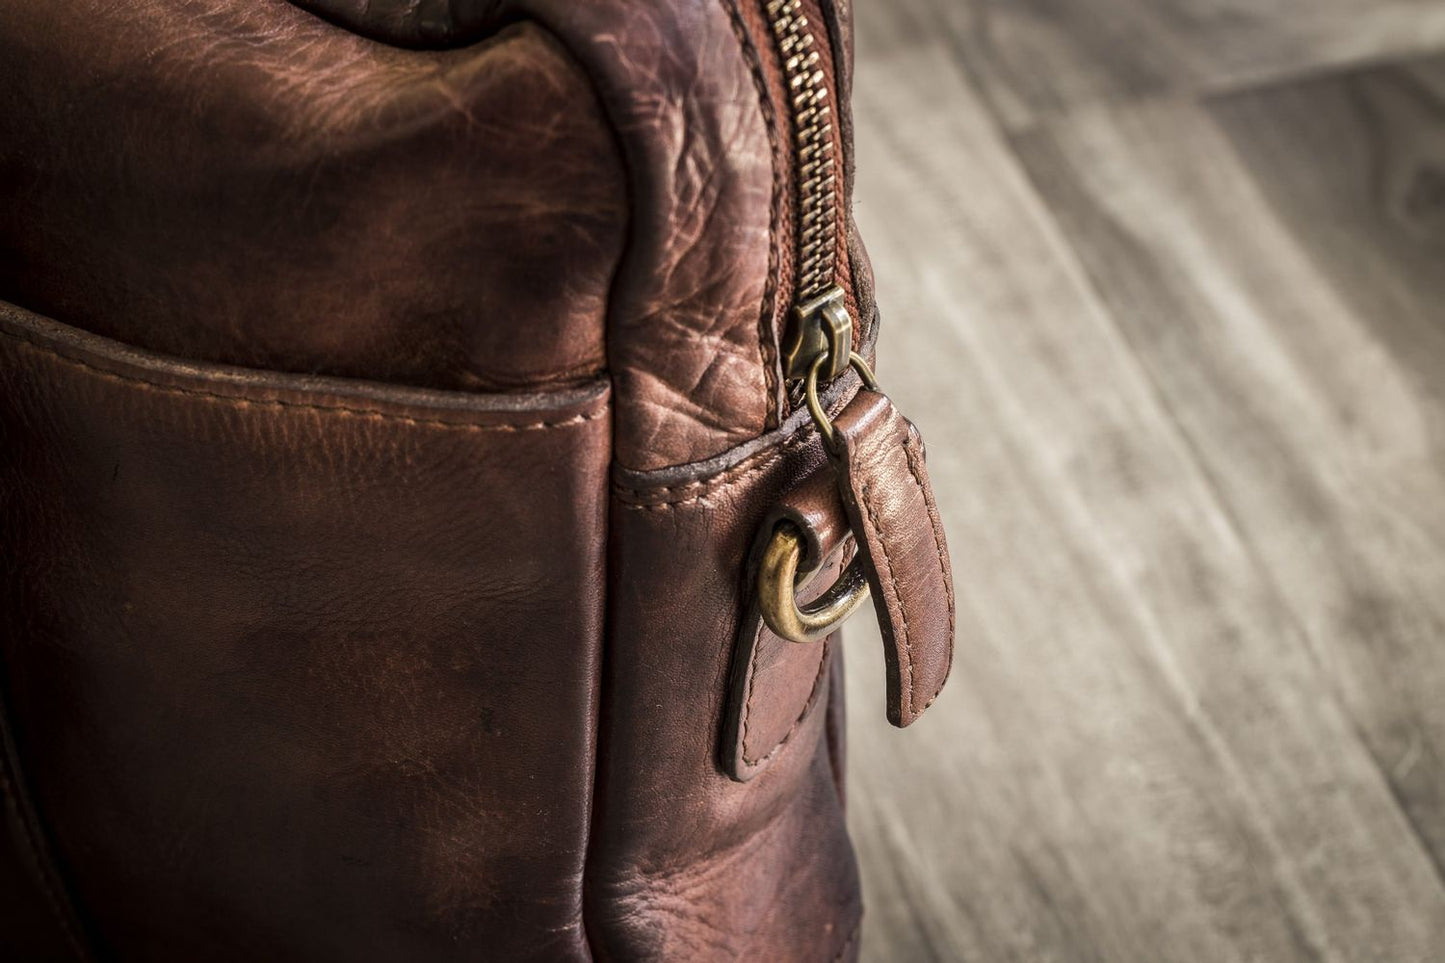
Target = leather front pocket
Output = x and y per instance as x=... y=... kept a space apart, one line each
x=301 y=667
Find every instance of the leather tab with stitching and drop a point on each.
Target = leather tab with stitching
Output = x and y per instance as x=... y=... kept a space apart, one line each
x=884 y=484
x=775 y=685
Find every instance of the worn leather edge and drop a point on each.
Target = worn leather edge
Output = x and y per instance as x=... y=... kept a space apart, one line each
x=835 y=726
x=478 y=411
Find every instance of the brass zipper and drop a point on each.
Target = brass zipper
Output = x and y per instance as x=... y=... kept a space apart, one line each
x=868 y=449
x=820 y=327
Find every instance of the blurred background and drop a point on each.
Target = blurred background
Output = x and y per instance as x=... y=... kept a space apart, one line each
x=1164 y=285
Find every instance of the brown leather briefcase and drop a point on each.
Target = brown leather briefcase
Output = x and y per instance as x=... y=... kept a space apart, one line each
x=437 y=445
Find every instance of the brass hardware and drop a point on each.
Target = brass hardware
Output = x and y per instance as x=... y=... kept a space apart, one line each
x=813 y=145
x=778 y=585
x=819 y=346
x=815 y=407
x=821 y=328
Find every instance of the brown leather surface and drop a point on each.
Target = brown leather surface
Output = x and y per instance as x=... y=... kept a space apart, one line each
x=692 y=341
x=775 y=683
x=299 y=668
x=813 y=507
x=243 y=183
x=884 y=483
x=721 y=870
x=696 y=94
x=302 y=668
x=414 y=23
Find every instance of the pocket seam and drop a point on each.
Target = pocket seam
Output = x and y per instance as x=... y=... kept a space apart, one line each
x=370 y=414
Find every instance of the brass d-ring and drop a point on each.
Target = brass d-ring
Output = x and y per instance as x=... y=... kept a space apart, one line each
x=778 y=585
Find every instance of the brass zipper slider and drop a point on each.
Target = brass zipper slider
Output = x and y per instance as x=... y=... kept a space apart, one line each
x=821 y=331
x=820 y=325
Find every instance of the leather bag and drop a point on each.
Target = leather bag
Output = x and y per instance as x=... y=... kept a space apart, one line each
x=438 y=443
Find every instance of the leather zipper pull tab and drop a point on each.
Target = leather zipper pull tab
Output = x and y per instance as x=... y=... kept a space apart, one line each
x=878 y=458
x=878 y=464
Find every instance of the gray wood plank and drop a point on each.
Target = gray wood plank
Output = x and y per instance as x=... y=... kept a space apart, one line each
x=1034 y=58
x=1139 y=756
x=1277 y=260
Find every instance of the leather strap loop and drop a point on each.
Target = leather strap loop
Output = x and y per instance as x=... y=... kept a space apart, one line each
x=881 y=475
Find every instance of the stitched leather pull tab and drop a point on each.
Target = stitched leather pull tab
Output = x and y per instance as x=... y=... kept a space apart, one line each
x=881 y=475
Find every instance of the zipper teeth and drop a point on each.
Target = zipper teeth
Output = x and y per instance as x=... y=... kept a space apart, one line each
x=813 y=147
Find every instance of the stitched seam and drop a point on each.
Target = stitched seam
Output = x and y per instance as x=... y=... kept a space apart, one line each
x=813 y=693
x=936 y=525
x=805 y=434
x=33 y=850
x=893 y=589
x=849 y=550
x=743 y=469
x=770 y=123
x=802 y=714
x=370 y=414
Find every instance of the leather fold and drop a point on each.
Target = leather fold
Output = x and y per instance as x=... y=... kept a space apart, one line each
x=879 y=460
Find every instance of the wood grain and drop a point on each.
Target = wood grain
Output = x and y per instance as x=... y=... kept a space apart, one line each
x=1180 y=367
x=1034 y=58
x=1295 y=245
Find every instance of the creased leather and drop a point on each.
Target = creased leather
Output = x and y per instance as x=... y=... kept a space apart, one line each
x=692 y=91
x=567 y=186
x=884 y=483
x=301 y=669
x=239 y=182
x=690 y=346
x=414 y=23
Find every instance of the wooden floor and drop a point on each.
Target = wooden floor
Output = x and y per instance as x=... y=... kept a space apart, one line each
x=1164 y=286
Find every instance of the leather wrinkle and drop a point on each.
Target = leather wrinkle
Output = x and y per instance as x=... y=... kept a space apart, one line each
x=707 y=481
x=624 y=327
x=655 y=891
x=768 y=337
